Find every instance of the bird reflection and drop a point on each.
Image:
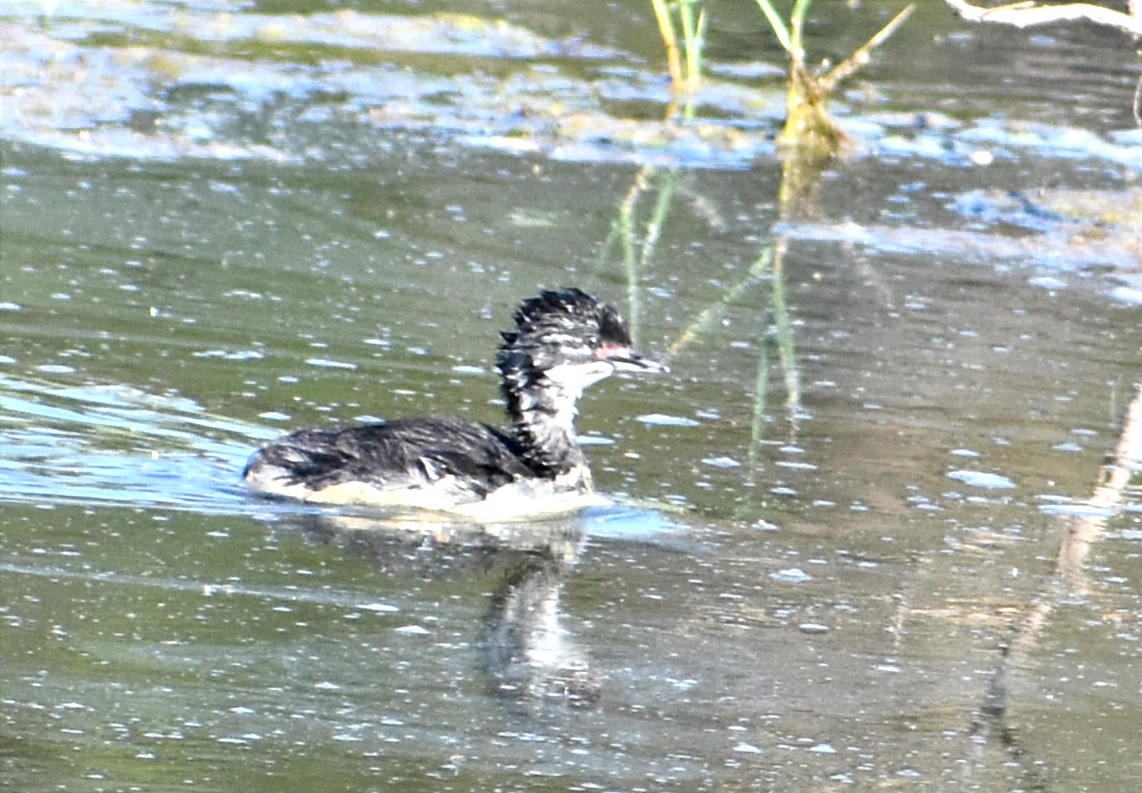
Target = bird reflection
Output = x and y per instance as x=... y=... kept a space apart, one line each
x=527 y=654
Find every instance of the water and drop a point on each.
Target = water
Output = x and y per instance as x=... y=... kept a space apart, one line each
x=831 y=516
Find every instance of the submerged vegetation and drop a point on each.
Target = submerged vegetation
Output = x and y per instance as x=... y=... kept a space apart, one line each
x=808 y=126
x=636 y=231
x=685 y=63
x=809 y=129
x=809 y=138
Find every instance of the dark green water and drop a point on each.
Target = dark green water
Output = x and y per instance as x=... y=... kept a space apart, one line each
x=830 y=515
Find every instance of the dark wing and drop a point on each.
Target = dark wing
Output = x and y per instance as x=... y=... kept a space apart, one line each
x=393 y=455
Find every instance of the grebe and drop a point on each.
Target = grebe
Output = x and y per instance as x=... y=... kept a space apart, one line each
x=563 y=342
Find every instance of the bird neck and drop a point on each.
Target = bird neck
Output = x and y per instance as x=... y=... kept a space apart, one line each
x=542 y=414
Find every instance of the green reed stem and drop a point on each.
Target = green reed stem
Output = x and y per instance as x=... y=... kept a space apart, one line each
x=693 y=39
x=777 y=24
x=784 y=325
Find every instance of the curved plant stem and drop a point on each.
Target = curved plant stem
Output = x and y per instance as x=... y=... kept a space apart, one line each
x=683 y=62
x=694 y=39
x=669 y=41
x=808 y=126
x=861 y=55
x=777 y=24
x=797 y=31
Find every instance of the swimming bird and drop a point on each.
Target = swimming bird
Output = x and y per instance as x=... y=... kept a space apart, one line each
x=563 y=341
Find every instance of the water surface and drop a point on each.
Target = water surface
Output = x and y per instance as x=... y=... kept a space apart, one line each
x=831 y=517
